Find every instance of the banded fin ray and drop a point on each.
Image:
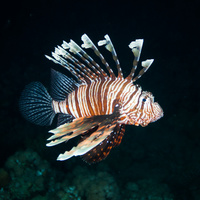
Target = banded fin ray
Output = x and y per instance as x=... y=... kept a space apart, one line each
x=62 y=55
x=87 y=43
x=102 y=150
x=84 y=71
x=35 y=104
x=77 y=127
x=87 y=144
x=136 y=47
x=109 y=46
x=93 y=68
x=77 y=68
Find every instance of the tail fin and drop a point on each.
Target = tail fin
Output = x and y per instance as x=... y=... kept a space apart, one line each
x=35 y=104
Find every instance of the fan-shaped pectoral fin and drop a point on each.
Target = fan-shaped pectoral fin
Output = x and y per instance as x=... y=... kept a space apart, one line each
x=93 y=129
x=89 y=143
x=68 y=131
x=81 y=125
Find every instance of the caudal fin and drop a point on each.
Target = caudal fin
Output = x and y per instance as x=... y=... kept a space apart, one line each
x=35 y=104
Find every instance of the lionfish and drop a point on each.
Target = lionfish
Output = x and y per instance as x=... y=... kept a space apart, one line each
x=96 y=106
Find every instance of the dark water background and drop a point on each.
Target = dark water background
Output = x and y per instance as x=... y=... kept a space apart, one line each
x=168 y=150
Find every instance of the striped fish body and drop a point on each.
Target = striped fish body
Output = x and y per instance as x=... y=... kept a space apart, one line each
x=100 y=97
x=97 y=107
x=95 y=98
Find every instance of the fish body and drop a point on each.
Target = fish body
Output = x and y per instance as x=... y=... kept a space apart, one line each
x=97 y=106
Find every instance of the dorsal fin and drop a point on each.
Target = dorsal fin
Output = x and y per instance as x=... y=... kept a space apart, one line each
x=136 y=47
x=63 y=56
x=109 y=46
x=87 y=43
x=101 y=151
x=61 y=85
x=84 y=68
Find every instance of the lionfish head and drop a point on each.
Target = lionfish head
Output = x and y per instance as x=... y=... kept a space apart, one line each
x=147 y=110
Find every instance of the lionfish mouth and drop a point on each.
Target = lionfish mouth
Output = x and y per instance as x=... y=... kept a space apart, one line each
x=158 y=112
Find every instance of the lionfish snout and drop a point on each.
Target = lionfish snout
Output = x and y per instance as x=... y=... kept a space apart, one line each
x=147 y=110
x=157 y=112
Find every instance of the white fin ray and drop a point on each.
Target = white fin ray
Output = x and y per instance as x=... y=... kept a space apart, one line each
x=86 y=145
x=147 y=63
x=87 y=43
x=136 y=47
x=107 y=42
x=65 y=45
x=109 y=46
x=73 y=47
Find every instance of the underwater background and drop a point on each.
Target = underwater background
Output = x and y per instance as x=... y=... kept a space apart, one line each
x=157 y=162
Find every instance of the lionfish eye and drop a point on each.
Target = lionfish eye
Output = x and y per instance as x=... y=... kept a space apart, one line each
x=144 y=100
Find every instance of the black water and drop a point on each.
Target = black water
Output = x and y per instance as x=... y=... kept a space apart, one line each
x=167 y=150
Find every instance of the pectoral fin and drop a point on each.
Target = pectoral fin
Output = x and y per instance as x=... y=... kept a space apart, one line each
x=89 y=143
x=102 y=150
x=77 y=127
x=93 y=130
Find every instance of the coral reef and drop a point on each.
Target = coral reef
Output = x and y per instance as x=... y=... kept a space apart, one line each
x=147 y=189
x=95 y=185
x=29 y=174
x=30 y=177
